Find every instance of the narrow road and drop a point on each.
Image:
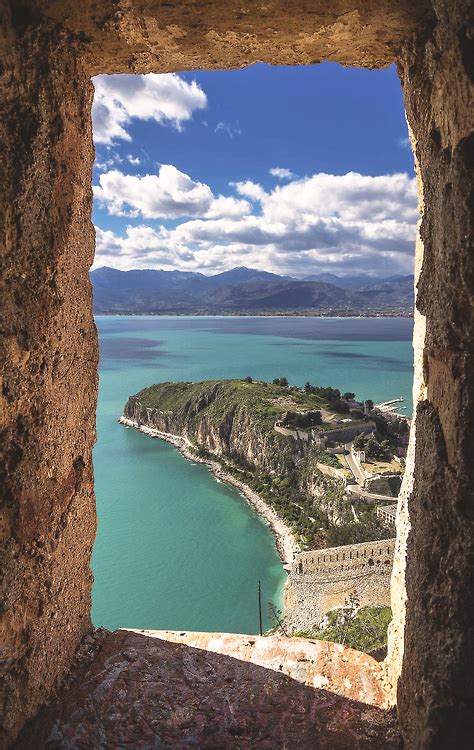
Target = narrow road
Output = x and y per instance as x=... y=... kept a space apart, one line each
x=354 y=466
x=356 y=490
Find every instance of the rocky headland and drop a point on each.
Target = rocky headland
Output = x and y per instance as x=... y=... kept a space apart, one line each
x=234 y=426
x=268 y=440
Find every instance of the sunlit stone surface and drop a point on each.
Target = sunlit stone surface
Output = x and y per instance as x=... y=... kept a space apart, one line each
x=168 y=689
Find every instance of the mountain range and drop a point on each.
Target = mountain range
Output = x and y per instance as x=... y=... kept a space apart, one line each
x=247 y=291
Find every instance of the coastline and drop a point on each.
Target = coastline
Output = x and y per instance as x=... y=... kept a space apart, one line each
x=285 y=541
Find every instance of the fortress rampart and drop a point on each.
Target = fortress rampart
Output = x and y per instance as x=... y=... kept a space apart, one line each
x=321 y=580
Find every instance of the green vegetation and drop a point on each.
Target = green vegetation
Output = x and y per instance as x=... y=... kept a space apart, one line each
x=302 y=421
x=243 y=413
x=373 y=449
x=331 y=395
x=363 y=629
x=308 y=516
x=265 y=403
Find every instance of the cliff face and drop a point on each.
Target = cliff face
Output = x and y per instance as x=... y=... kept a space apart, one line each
x=236 y=420
x=213 y=418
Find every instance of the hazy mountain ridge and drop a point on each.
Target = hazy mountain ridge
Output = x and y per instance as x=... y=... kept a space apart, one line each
x=244 y=290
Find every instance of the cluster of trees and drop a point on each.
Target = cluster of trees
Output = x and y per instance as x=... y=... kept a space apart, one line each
x=281 y=381
x=331 y=395
x=373 y=449
x=364 y=629
x=304 y=513
x=302 y=420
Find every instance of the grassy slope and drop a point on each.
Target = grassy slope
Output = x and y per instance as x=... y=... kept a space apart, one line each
x=284 y=490
x=265 y=402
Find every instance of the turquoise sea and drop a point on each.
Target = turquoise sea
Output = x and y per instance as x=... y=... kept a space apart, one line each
x=175 y=548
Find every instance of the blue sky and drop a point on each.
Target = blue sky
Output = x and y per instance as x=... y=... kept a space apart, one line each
x=295 y=170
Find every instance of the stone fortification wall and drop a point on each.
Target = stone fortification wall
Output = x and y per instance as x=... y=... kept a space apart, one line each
x=331 y=471
x=321 y=580
x=345 y=434
x=296 y=434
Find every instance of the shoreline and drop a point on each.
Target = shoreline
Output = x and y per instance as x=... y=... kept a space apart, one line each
x=285 y=542
x=294 y=314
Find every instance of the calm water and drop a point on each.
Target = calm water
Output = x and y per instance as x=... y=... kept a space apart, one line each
x=176 y=549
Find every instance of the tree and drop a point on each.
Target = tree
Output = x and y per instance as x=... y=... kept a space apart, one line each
x=359 y=442
x=248 y=379
x=369 y=404
x=385 y=448
x=372 y=448
x=402 y=426
x=348 y=396
x=281 y=381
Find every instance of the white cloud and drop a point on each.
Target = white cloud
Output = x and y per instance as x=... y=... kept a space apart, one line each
x=282 y=173
x=133 y=160
x=228 y=128
x=250 y=190
x=163 y=97
x=227 y=206
x=404 y=142
x=341 y=223
x=170 y=194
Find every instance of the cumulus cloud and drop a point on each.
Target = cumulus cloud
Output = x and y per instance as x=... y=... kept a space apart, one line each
x=281 y=173
x=250 y=190
x=163 y=97
x=341 y=223
x=170 y=194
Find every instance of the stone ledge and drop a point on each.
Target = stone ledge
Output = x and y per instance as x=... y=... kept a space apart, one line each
x=175 y=689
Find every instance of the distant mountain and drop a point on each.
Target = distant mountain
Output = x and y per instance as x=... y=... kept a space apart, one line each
x=242 y=290
x=353 y=282
x=243 y=275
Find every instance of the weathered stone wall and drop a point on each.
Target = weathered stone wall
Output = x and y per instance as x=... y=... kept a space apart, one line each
x=49 y=353
x=322 y=580
x=431 y=644
x=345 y=434
x=331 y=471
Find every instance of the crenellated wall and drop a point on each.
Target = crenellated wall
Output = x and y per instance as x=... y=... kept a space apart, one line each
x=322 y=580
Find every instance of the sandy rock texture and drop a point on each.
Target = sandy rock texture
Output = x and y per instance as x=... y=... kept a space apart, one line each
x=219 y=690
x=48 y=51
x=49 y=351
x=433 y=591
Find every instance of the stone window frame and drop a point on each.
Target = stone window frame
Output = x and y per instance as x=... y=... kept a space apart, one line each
x=49 y=52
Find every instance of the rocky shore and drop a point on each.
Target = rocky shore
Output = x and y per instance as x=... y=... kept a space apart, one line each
x=285 y=541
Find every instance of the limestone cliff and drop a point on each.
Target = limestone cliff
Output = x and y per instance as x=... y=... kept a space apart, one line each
x=227 y=418
x=234 y=421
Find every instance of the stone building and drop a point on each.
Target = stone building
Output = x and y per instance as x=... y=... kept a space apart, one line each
x=387 y=514
x=49 y=51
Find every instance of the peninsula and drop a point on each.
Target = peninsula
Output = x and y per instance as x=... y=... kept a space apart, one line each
x=295 y=449
x=321 y=467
